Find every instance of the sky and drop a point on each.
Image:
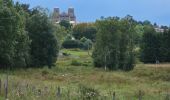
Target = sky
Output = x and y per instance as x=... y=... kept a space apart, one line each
x=89 y=10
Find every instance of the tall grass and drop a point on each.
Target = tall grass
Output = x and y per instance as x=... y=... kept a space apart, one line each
x=83 y=81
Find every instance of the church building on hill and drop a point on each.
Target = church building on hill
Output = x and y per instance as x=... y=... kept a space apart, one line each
x=68 y=16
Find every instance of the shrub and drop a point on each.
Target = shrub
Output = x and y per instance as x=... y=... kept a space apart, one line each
x=87 y=43
x=76 y=63
x=84 y=30
x=68 y=44
x=88 y=93
x=65 y=54
x=87 y=63
x=83 y=43
x=44 y=72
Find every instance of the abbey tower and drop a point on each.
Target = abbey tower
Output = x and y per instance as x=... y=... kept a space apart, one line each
x=68 y=16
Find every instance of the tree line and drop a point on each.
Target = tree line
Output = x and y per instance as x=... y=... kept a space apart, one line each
x=30 y=38
x=155 y=46
x=26 y=36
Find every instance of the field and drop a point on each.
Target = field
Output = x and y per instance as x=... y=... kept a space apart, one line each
x=75 y=78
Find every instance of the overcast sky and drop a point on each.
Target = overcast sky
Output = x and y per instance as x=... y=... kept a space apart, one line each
x=89 y=10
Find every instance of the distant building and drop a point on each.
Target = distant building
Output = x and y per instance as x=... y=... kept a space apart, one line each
x=68 y=16
x=158 y=29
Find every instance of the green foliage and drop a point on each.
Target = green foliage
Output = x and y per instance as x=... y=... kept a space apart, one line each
x=103 y=39
x=155 y=46
x=44 y=45
x=14 y=41
x=114 y=44
x=61 y=33
x=76 y=63
x=85 y=30
x=146 y=22
x=165 y=46
x=45 y=72
x=83 y=43
x=69 y=37
x=65 y=24
x=88 y=93
x=124 y=84
x=6 y=3
x=71 y=44
x=87 y=43
x=150 y=45
x=139 y=30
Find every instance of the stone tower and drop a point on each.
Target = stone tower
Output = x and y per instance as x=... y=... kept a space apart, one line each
x=56 y=14
x=69 y=16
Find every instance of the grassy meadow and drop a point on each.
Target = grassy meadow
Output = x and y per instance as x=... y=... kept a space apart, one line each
x=75 y=78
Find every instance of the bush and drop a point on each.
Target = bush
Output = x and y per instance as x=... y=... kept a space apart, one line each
x=65 y=54
x=76 y=63
x=85 y=30
x=68 y=44
x=88 y=93
x=44 y=72
x=87 y=63
x=87 y=43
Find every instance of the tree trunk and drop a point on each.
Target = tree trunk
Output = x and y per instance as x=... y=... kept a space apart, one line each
x=105 y=67
x=6 y=87
x=0 y=86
